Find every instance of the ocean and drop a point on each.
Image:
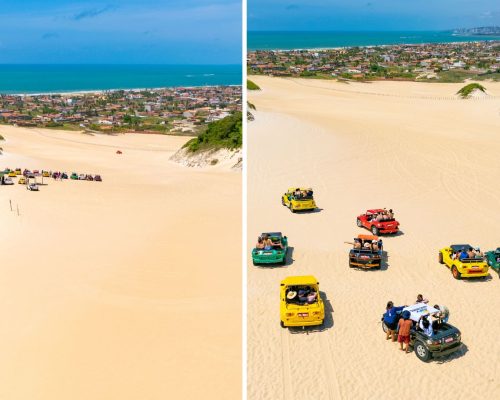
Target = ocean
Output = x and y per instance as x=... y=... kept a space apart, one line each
x=267 y=40
x=46 y=78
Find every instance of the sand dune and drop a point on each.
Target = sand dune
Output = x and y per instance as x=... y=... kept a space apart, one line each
x=118 y=290
x=412 y=147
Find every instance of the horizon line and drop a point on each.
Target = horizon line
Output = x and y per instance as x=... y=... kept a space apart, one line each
x=364 y=30
x=126 y=64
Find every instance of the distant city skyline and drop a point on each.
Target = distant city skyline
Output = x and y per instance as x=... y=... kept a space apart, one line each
x=370 y=15
x=120 y=32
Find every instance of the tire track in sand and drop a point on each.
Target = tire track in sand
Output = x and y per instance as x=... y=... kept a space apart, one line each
x=328 y=361
x=285 y=359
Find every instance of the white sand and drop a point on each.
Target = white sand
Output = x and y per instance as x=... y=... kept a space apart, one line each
x=415 y=148
x=120 y=289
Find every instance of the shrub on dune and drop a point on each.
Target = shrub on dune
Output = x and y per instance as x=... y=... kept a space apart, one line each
x=222 y=134
x=252 y=85
x=469 y=89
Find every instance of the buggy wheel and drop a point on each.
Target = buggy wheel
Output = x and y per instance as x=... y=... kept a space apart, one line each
x=282 y=324
x=359 y=223
x=253 y=262
x=440 y=258
x=375 y=230
x=291 y=208
x=384 y=327
x=455 y=272
x=421 y=351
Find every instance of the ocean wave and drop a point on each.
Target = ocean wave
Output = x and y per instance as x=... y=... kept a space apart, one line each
x=208 y=74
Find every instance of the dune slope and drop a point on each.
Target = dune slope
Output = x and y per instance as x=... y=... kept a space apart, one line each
x=118 y=290
x=412 y=147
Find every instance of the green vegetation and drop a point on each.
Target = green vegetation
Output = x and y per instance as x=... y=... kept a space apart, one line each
x=494 y=76
x=223 y=134
x=454 y=76
x=252 y=85
x=466 y=91
x=251 y=106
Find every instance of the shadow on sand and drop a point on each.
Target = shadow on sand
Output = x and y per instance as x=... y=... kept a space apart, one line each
x=477 y=280
x=389 y=235
x=452 y=356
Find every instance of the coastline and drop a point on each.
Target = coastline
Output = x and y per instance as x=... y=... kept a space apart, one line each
x=70 y=78
x=444 y=40
x=100 y=91
x=369 y=46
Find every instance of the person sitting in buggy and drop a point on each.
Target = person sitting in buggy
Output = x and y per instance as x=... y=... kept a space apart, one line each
x=425 y=325
x=301 y=295
x=276 y=243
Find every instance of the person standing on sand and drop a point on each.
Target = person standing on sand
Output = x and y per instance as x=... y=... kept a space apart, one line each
x=404 y=326
x=390 y=318
x=420 y=299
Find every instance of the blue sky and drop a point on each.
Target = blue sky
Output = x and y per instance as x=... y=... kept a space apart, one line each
x=355 y=15
x=120 y=31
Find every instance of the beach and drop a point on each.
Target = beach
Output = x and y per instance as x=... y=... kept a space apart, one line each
x=118 y=289
x=413 y=147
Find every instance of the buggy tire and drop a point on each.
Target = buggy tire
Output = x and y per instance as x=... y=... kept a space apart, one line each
x=440 y=258
x=254 y=263
x=421 y=351
x=385 y=328
x=374 y=230
x=359 y=223
x=455 y=272
x=282 y=324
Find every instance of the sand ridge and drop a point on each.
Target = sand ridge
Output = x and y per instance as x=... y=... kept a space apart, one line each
x=118 y=290
x=434 y=161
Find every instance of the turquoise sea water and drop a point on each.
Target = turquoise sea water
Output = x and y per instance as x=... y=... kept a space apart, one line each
x=267 y=40
x=69 y=78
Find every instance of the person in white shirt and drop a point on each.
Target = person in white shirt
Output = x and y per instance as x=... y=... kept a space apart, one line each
x=443 y=314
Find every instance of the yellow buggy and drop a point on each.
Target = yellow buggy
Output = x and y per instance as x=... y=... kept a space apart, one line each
x=299 y=199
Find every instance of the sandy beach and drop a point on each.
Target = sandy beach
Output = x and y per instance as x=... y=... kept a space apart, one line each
x=118 y=289
x=413 y=147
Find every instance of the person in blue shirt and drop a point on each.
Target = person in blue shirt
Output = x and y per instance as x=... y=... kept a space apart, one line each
x=463 y=255
x=390 y=319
